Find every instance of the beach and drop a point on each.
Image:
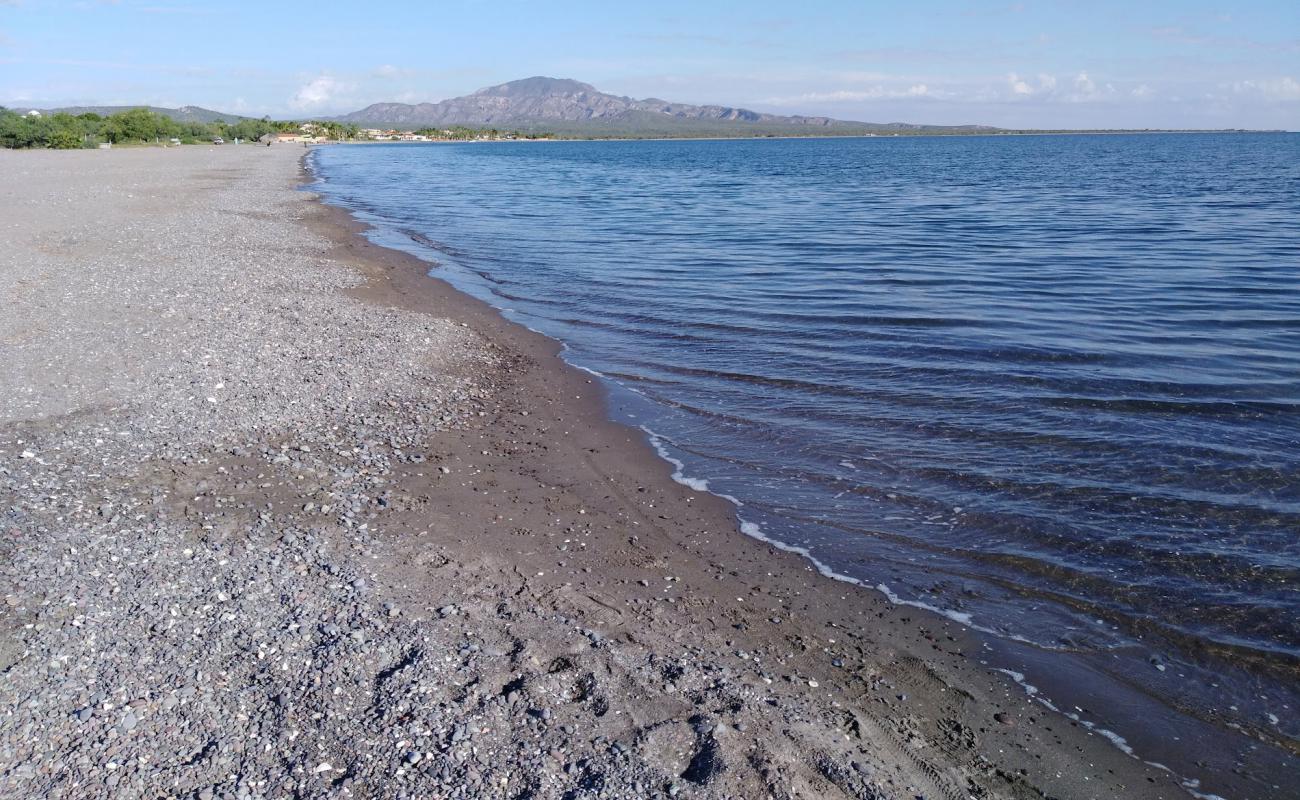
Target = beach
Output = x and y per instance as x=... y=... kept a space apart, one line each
x=283 y=516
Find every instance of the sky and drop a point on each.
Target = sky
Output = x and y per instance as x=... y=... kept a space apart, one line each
x=1036 y=63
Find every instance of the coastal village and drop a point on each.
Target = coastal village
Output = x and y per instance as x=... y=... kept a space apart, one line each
x=87 y=129
x=377 y=135
x=315 y=133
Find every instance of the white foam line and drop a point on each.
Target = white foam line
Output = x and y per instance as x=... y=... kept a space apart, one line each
x=587 y=370
x=755 y=531
x=1115 y=739
x=1032 y=691
x=564 y=351
x=1190 y=785
x=956 y=616
x=657 y=442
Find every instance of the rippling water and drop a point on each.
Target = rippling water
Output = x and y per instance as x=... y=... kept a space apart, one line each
x=1048 y=385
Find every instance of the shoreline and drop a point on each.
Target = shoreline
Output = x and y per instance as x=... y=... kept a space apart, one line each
x=635 y=441
x=828 y=136
x=401 y=547
x=1103 y=699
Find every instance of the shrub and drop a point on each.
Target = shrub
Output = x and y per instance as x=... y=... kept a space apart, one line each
x=64 y=139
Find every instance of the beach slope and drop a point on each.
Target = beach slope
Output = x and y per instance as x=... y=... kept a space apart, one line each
x=283 y=517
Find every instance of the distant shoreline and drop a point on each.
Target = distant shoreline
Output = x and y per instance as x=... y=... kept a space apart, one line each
x=57 y=129
x=985 y=134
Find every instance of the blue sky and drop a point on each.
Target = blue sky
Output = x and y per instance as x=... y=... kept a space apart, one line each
x=1044 y=63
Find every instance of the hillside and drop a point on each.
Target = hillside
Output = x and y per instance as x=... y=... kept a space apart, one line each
x=571 y=107
x=182 y=114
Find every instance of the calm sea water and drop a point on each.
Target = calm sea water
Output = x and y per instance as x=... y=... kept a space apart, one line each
x=1049 y=386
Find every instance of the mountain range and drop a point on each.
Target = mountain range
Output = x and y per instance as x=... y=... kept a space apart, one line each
x=572 y=108
x=565 y=106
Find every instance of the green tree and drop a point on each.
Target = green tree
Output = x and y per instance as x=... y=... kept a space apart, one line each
x=64 y=139
x=137 y=124
x=14 y=129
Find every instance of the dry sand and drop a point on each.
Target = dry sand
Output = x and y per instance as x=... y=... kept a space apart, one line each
x=283 y=517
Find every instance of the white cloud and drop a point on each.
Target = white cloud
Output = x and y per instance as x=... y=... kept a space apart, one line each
x=1277 y=90
x=1079 y=88
x=1021 y=87
x=320 y=92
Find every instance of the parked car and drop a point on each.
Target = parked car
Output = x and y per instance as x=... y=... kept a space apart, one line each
x=218 y=140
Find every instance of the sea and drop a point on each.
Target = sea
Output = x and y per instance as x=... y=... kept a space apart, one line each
x=1045 y=386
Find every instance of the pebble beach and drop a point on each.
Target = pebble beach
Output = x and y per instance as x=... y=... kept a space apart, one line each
x=281 y=516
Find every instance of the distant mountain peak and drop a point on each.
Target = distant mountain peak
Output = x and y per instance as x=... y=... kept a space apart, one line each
x=538 y=86
x=563 y=105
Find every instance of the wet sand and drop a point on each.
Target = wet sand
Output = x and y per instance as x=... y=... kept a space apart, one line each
x=519 y=602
